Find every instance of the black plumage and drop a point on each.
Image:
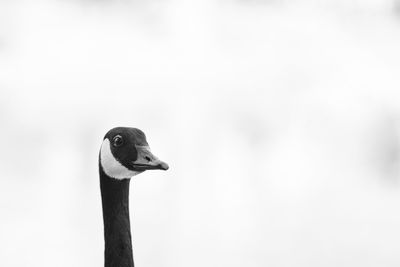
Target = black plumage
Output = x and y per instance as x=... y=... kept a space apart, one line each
x=117 y=229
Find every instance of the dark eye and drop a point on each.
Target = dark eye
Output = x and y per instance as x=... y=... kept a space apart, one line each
x=117 y=140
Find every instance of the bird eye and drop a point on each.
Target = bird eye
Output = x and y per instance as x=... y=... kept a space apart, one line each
x=117 y=140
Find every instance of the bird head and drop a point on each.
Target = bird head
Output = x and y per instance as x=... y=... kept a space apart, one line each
x=125 y=153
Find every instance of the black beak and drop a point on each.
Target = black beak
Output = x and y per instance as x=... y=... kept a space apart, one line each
x=147 y=161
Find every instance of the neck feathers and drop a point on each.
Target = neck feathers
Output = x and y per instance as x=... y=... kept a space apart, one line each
x=117 y=231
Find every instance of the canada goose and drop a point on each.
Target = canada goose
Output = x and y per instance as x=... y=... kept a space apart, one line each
x=123 y=154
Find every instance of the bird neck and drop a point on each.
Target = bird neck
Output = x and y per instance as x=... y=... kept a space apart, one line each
x=117 y=230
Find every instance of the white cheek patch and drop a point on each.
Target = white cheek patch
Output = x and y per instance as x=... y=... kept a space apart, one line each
x=111 y=166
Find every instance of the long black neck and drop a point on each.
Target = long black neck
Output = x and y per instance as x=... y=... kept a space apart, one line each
x=117 y=230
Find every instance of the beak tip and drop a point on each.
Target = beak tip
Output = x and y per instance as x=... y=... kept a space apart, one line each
x=164 y=166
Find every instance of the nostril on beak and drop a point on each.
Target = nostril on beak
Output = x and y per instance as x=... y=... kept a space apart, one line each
x=148 y=158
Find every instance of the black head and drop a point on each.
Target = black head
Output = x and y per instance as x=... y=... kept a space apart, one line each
x=125 y=153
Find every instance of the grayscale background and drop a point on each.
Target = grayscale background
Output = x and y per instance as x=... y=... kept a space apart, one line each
x=280 y=120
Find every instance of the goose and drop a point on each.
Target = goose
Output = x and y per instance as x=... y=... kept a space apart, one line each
x=124 y=153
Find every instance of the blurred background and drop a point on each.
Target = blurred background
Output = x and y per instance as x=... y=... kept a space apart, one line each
x=280 y=120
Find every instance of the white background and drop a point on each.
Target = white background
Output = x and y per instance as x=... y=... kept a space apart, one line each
x=280 y=122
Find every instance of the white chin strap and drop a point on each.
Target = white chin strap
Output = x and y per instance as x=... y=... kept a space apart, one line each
x=111 y=166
